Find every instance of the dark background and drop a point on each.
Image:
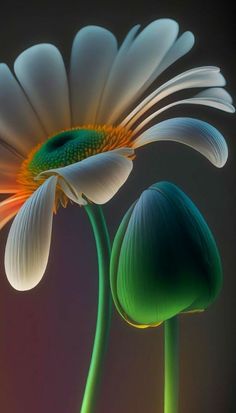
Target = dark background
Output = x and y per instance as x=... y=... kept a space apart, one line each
x=46 y=334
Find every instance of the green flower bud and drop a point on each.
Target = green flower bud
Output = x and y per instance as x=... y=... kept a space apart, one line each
x=164 y=259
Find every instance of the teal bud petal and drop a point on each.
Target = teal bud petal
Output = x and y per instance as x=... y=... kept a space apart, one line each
x=164 y=259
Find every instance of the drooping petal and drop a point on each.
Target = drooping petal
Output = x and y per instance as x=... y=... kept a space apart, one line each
x=205 y=76
x=98 y=177
x=41 y=71
x=217 y=92
x=195 y=133
x=19 y=126
x=199 y=99
x=93 y=52
x=129 y=74
x=9 y=208
x=28 y=242
x=209 y=101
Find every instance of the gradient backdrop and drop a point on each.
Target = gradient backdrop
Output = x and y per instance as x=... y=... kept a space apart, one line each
x=46 y=335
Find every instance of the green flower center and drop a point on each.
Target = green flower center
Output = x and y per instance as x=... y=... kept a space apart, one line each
x=66 y=148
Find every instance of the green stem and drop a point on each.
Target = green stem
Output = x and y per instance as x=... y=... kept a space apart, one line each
x=102 y=240
x=171 y=395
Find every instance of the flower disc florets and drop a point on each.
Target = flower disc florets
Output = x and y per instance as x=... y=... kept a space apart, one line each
x=71 y=146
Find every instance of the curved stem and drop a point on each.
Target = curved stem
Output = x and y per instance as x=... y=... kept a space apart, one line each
x=171 y=393
x=102 y=240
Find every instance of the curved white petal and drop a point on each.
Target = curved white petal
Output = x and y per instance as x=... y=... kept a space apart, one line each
x=180 y=48
x=41 y=71
x=211 y=102
x=93 y=51
x=195 y=133
x=205 y=76
x=133 y=70
x=197 y=100
x=98 y=177
x=28 y=242
x=19 y=126
x=216 y=92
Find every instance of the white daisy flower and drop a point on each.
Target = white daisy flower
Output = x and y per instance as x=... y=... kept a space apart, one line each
x=74 y=136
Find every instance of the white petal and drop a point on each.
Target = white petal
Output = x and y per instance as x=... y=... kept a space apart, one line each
x=132 y=71
x=19 y=126
x=98 y=177
x=217 y=92
x=181 y=47
x=41 y=71
x=204 y=101
x=195 y=133
x=205 y=76
x=121 y=55
x=212 y=102
x=29 y=239
x=93 y=51
x=128 y=40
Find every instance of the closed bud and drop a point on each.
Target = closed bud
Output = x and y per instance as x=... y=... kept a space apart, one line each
x=164 y=259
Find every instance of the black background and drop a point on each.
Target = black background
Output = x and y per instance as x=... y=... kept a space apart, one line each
x=46 y=334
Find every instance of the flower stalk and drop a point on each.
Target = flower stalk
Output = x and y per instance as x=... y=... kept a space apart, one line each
x=102 y=240
x=171 y=390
